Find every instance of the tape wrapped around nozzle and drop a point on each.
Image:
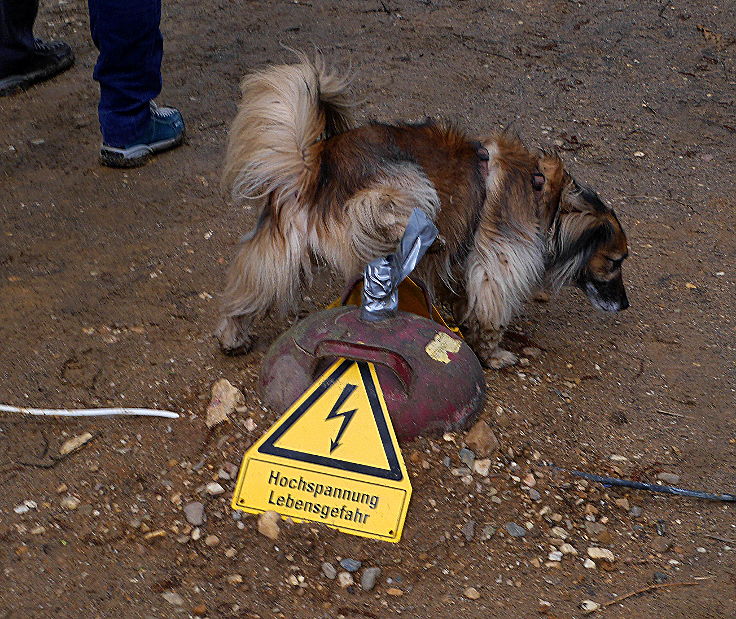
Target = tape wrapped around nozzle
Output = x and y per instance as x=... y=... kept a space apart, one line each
x=383 y=275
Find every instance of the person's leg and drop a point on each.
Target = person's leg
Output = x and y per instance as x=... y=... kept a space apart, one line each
x=16 y=33
x=25 y=60
x=128 y=69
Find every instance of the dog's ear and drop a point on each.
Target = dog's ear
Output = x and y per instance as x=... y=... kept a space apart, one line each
x=550 y=187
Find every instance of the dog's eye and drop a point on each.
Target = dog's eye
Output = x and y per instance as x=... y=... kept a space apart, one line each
x=538 y=181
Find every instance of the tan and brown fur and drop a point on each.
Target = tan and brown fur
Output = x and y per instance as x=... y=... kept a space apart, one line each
x=509 y=220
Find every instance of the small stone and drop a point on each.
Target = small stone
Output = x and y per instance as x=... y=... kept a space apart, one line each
x=555 y=555
x=194 y=513
x=530 y=481
x=70 y=502
x=589 y=606
x=660 y=577
x=38 y=141
x=233 y=579
x=515 y=530
x=268 y=524
x=329 y=570
x=532 y=352
x=394 y=591
x=568 y=549
x=661 y=527
x=250 y=424
x=623 y=503
x=594 y=528
x=225 y=398
x=230 y=553
x=75 y=443
x=617 y=458
x=61 y=488
x=482 y=440
x=350 y=565
x=214 y=488
x=471 y=593
x=488 y=532
x=482 y=467
x=211 y=541
x=668 y=478
x=468 y=530
x=639 y=154
x=369 y=577
x=200 y=610
x=345 y=579
x=196 y=534
x=172 y=597
x=39 y=530
x=467 y=457
x=223 y=474
x=601 y=553
x=636 y=511
x=534 y=494
x=589 y=564
x=558 y=532
x=21 y=509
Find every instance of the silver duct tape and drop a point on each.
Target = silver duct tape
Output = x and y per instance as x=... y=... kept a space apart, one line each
x=383 y=275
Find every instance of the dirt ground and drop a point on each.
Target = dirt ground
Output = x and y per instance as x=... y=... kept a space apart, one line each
x=108 y=289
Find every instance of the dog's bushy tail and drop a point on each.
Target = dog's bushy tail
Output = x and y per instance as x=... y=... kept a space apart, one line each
x=273 y=143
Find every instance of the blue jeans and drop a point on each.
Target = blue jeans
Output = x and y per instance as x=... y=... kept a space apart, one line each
x=127 y=35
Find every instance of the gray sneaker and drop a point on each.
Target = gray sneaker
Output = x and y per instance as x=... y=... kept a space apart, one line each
x=166 y=131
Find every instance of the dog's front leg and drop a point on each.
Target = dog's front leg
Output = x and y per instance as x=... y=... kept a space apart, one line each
x=484 y=338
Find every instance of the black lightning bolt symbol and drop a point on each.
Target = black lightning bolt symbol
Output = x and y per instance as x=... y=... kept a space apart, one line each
x=346 y=416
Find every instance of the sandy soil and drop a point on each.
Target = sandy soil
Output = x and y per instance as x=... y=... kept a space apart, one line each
x=108 y=282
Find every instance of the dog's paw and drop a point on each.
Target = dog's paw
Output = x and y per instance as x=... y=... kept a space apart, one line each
x=501 y=358
x=233 y=338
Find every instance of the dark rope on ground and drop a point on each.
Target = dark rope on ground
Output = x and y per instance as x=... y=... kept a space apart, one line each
x=639 y=485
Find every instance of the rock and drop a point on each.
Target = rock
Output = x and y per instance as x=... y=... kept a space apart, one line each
x=39 y=530
x=61 y=488
x=461 y=472
x=345 y=579
x=75 y=443
x=601 y=553
x=196 y=534
x=568 y=549
x=194 y=513
x=467 y=457
x=394 y=591
x=636 y=511
x=471 y=593
x=482 y=440
x=555 y=555
x=668 y=478
x=558 y=532
x=530 y=481
x=594 y=528
x=659 y=578
x=534 y=495
x=329 y=570
x=369 y=578
x=25 y=507
x=468 y=530
x=214 y=488
x=200 y=610
x=482 y=467
x=211 y=541
x=268 y=524
x=488 y=532
x=350 y=565
x=589 y=606
x=531 y=351
x=233 y=579
x=589 y=564
x=622 y=503
x=230 y=553
x=515 y=530
x=70 y=502
x=172 y=597
x=225 y=398
x=661 y=527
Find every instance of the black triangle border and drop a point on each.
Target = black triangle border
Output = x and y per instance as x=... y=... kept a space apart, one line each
x=268 y=447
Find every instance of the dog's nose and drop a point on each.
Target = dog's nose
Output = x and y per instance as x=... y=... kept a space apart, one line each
x=624 y=303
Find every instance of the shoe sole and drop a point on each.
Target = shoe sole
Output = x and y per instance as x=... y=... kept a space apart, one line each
x=137 y=156
x=18 y=83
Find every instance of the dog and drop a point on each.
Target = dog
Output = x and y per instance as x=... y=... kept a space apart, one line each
x=510 y=220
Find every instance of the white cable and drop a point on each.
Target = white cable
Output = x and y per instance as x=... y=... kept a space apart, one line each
x=89 y=412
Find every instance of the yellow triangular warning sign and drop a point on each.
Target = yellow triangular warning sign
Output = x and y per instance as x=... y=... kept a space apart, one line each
x=332 y=457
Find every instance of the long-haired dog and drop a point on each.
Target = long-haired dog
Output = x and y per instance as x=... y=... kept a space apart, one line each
x=510 y=221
